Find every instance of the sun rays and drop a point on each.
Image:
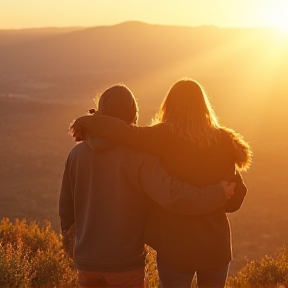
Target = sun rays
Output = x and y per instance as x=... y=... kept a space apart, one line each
x=275 y=15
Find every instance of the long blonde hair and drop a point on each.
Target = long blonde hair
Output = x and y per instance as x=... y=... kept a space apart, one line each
x=187 y=107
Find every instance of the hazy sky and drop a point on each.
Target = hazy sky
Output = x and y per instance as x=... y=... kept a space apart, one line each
x=61 y=13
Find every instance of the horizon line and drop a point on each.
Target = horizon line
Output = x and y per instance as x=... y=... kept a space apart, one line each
x=139 y=22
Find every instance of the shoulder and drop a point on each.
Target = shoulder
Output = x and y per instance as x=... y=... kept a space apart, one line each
x=240 y=148
x=78 y=148
x=163 y=129
x=162 y=126
x=155 y=134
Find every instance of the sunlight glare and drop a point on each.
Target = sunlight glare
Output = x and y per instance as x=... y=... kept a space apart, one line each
x=276 y=16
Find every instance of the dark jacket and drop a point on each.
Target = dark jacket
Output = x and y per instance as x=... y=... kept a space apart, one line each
x=189 y=242
x=104 y=192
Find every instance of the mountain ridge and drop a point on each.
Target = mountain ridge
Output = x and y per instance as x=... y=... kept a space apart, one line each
x=109 y=54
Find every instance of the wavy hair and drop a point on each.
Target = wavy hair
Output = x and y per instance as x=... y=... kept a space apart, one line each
x=187 y=107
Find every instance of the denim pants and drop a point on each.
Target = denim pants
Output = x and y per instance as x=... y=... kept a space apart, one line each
x=172 y=277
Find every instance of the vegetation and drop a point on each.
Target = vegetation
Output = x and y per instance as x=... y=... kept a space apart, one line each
x=151 y=273
x=266 y=272
x=33 y=256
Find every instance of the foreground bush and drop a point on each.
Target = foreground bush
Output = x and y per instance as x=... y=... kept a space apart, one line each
x=32 y=256
x=264 y=273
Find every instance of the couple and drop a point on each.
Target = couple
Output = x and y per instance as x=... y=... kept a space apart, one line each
x=118 y=195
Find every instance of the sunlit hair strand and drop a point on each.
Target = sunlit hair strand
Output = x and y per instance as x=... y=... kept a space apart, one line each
x=187 y=107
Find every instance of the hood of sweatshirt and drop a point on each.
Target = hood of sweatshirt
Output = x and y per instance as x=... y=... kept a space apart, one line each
x=99 y=144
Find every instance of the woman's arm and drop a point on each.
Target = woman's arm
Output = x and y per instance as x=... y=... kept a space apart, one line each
x=151 y=139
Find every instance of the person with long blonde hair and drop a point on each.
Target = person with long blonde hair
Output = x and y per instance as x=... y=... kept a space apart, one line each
x=195 y=148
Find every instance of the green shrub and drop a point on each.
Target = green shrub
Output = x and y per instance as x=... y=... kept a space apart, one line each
x=32 y=256
x=264 y=273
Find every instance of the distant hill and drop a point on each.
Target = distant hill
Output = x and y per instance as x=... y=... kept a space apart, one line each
x=52 y=62
x=242 y=68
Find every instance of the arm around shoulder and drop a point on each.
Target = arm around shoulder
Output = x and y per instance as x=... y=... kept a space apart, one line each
x=148 y=138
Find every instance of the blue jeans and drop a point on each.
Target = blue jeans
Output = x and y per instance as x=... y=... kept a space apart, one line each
x=172 y=277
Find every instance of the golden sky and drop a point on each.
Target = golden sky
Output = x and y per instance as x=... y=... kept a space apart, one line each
x=65 y=13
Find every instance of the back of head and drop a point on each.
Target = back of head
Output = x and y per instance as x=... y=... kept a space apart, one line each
x=187 y=106
x=118 y=101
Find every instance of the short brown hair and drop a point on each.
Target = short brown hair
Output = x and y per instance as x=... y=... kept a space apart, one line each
x=118 y=101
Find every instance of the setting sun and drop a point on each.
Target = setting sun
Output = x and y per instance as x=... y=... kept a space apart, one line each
x=275 y=15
